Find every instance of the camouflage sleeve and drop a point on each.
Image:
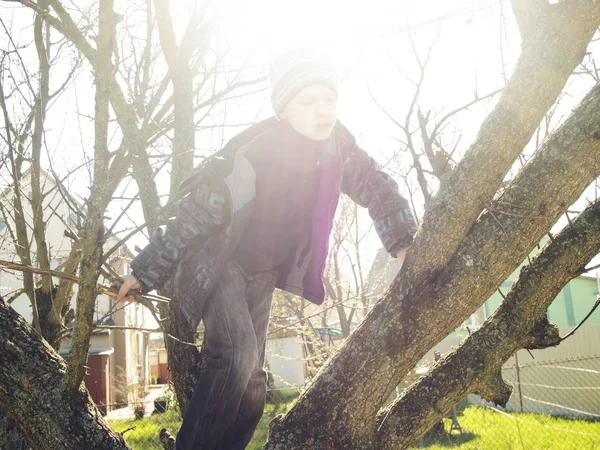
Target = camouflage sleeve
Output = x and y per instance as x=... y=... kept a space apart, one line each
x=365 y=183
x=200 y=214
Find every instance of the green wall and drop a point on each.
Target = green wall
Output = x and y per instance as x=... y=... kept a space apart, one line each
x=569 y=307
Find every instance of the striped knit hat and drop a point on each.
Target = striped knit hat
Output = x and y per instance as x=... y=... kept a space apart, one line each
x=292 y=71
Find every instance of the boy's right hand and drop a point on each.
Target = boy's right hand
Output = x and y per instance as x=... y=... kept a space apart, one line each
x=130 y=283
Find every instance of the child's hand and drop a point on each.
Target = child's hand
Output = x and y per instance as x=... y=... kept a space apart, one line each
x=130 y=283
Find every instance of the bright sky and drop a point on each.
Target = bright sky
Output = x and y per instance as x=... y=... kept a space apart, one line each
x=474 y=45
x=369 y=43
x=370 y=46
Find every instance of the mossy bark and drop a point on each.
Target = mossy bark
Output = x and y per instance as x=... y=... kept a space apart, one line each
x=35 y=397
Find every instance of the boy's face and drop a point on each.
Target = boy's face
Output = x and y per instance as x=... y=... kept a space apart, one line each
x=312 y=112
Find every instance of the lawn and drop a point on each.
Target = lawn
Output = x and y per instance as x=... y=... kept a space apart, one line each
x=481 y=430
x=143 y=434
x=260 y=436
x=487 y=429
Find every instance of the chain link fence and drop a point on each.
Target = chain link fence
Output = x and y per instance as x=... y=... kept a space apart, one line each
x=554 y=405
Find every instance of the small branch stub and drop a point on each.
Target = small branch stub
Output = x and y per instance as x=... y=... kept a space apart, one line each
x=494 y=389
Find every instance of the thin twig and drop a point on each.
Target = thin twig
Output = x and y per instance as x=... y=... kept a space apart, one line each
x=65 y=276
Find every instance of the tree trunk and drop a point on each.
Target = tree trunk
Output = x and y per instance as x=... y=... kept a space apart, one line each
x=185 y=359
x=35 y=396
x=10 y=438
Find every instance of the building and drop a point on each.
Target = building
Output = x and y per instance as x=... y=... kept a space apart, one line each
x=567 y=310
x=159 y=365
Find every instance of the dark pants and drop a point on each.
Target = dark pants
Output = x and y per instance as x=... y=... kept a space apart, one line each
x=229 y=398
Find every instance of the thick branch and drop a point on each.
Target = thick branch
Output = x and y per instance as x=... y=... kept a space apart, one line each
x=547 y=60
x=93 y=232
x=520 y=322
x=34 y=393
x=41 y=101
x=181 y=77
x=527 y=14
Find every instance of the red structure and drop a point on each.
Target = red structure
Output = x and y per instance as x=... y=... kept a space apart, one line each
x=160 y=367
x=97 y=380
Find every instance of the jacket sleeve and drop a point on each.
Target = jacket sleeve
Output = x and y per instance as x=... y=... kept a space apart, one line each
x=365 y=183
x=201 y=213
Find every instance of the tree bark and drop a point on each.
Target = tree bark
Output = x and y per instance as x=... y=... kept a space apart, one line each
x=552 y=47
x=35 y=395
x=519 y=322
x=93 y=231
x=185 y=360
x=39 y=226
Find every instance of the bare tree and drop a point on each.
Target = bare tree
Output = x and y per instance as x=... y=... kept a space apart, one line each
x=465 y=232
x=23 y=141
x=166 y=105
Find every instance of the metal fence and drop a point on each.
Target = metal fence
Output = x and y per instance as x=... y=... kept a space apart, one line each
x=554 y=405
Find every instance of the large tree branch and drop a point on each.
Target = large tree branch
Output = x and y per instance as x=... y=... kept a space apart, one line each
x=182 y=78
x=34 y=394
x=42 y=96
x=520 y=322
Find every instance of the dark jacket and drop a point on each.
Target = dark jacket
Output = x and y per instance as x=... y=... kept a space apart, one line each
x=217 y=202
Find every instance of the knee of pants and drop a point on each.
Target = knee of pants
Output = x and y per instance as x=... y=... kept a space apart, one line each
x=245 y=359
x=242 y=358
x=256 y=393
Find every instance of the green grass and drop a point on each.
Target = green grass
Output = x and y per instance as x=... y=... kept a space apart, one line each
x=262 y=430
x=492 y=430
x=487 y=430
x=144 y=435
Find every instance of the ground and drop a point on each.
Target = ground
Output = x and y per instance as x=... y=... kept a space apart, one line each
x=481 y=429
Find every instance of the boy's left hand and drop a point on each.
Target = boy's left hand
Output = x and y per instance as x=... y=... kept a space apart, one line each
x=130 y=283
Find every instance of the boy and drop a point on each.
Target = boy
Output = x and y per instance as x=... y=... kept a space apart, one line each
x=258 y=216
